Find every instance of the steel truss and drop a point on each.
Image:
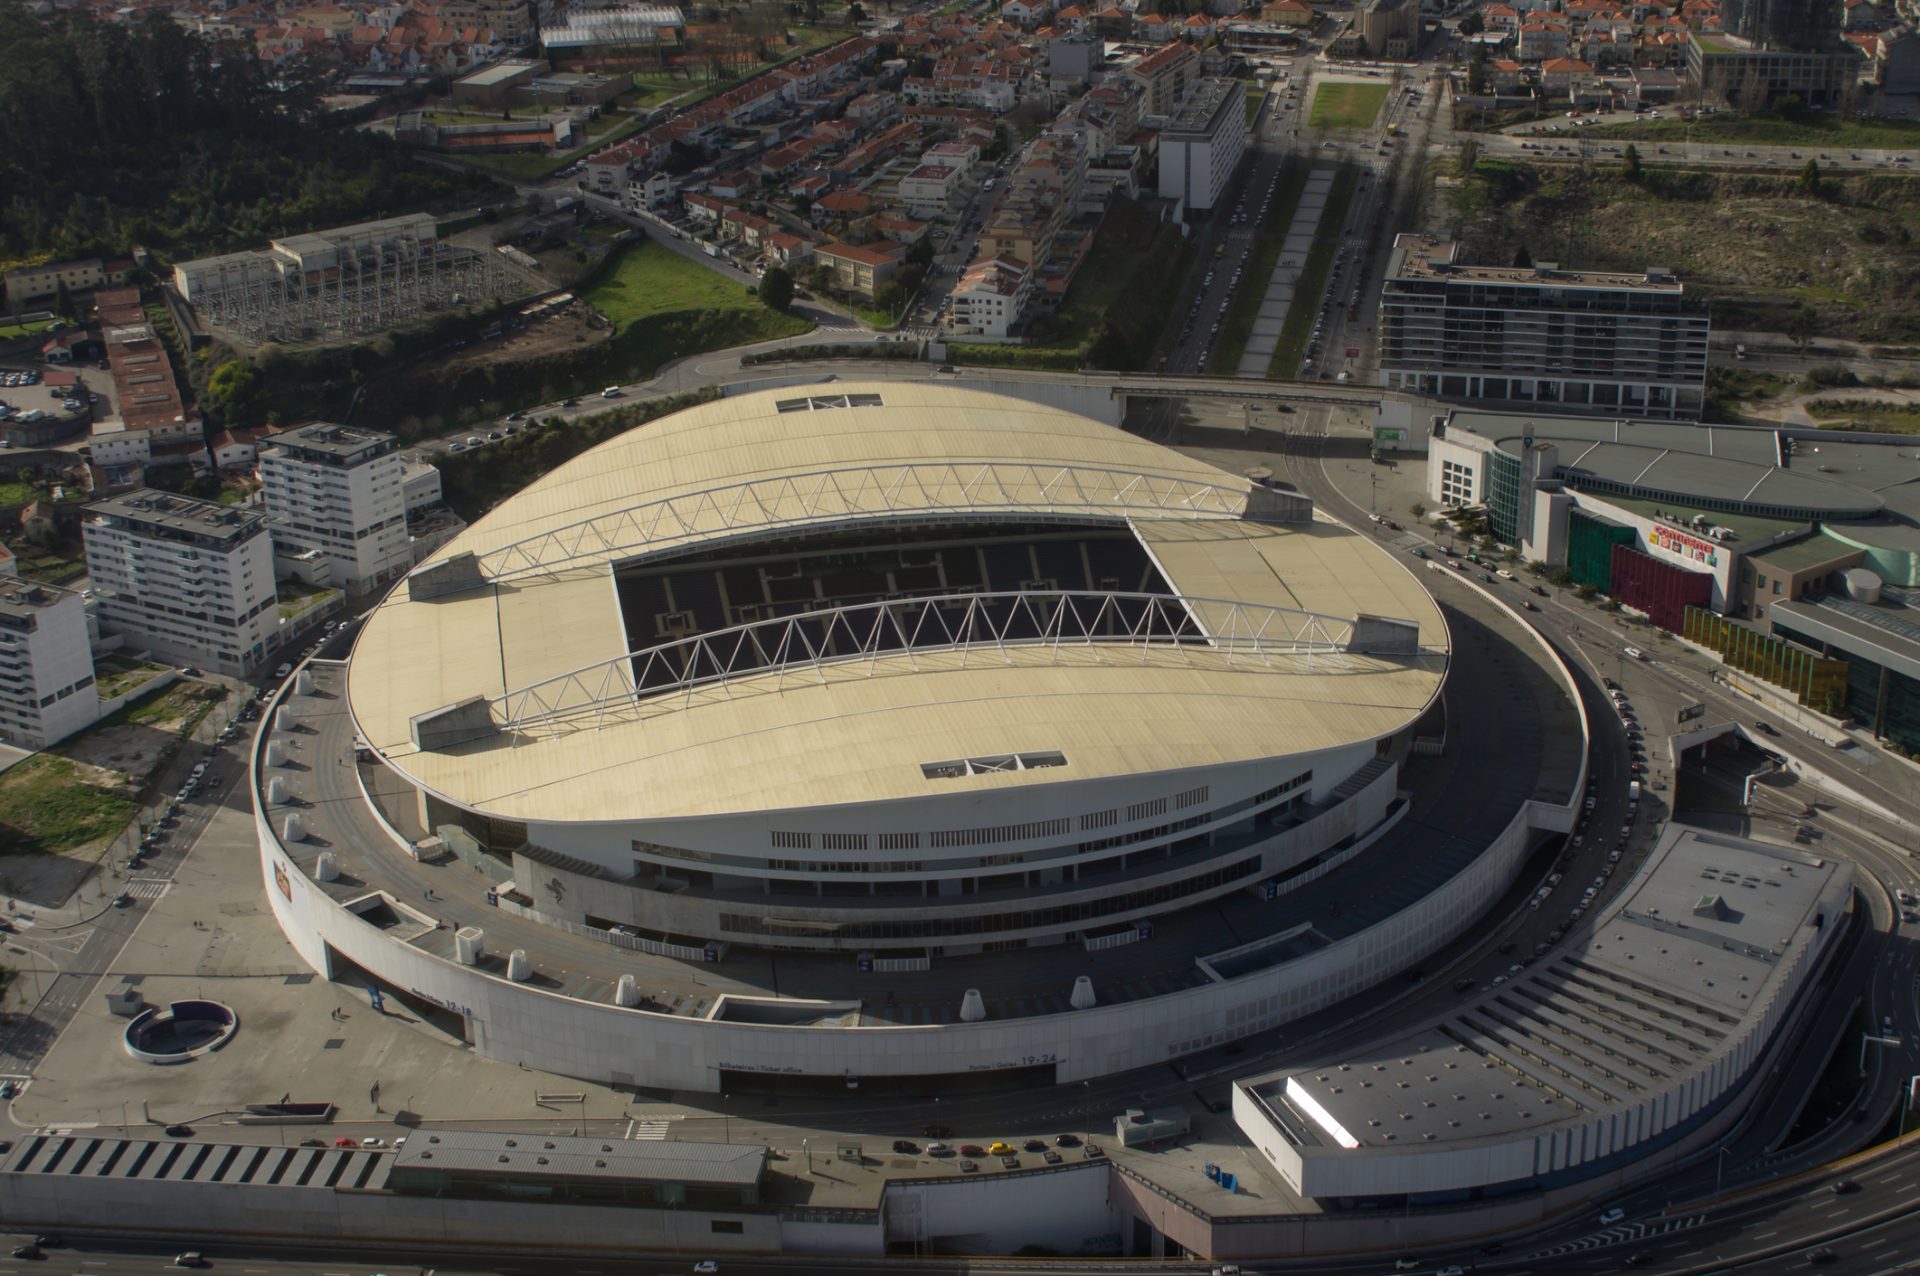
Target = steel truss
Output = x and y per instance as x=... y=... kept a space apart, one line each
x=828 y=497
x=949 y=631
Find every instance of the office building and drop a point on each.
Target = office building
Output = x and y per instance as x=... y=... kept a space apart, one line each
x=1538 y=336
x=1388 y=28
x=46 y=667
x=1202 y=143
x=336 y=505
x=1751 y=73
x=187 y=580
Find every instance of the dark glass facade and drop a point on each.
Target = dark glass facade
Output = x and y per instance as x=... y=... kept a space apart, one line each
x=1662 y=591
x=1590 y=545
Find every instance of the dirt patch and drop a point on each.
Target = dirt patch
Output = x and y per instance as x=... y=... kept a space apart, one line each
x=124 y=750
x=544 y=340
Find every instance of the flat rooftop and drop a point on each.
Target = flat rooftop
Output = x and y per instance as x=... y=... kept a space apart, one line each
x=322 y=439
x=514 y=1154
x=22 y=599
x=168 y=514
x=1681 y=465
x=1200 y=109
x=1417 y=256
x=1652 y=991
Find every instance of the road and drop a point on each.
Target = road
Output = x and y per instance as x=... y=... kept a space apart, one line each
x=1578 y=144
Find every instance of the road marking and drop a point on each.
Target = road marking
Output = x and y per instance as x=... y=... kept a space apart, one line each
x=1760 y=1236
x=1878 y=1240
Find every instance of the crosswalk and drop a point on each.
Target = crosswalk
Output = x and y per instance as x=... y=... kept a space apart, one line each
x=1621 y=1233
x=148 y=887
x=653 y=1127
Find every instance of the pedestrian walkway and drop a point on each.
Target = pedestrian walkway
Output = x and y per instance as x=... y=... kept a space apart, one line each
x=1272 y=317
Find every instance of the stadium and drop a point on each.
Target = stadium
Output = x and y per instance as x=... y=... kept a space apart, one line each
x=867 y=730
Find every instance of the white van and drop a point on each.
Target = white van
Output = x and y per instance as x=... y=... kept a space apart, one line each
x=1634 y=653
x=611 y=392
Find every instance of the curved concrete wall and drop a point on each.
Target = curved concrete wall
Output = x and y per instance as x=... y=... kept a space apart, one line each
x=559 y=1034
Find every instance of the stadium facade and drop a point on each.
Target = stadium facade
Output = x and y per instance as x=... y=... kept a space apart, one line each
x=750 y=717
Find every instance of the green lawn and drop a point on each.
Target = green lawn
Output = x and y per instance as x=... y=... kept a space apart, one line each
x=12 y=332
x=1294 y=334
x=646 y=280
x=47 y=806
x=116 y=674
x=1267 y=244
x=1770 y=130
x=15 y=494
x=1351 y=106
x=1253 y=101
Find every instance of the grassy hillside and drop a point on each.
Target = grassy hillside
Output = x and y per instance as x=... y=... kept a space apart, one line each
x=1840 y=262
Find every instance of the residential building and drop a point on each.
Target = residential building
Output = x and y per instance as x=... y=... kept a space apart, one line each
x=1289 y=13
x=46 y=665
x=862 y=269
x=1389 y=28
x=929 y=189
x=1563 y=76
x=1618 y=343
x=335 y=502
x=1202 y=143
x=1165 y=75
x=188 y=580
x=28 y=284
x=991 y=297
x=419 y=485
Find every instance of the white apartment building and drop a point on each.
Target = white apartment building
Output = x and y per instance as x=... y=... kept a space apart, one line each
x=1202 y=143
x=46 y=666
x=187 y=580
x=336 y=505
x=990 y=298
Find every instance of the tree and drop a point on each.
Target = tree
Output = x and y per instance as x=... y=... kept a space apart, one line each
x=237 y=390
x=1561 y=577
x=855 y=14
x=62 y=300
x=1473 y=24
x=1522 y=259
x=1630 y=163
x=776 y=289
x=889 y=297
x=1417 y=509
x=1810 y=178
x=1469 y=158
x=1477 y=78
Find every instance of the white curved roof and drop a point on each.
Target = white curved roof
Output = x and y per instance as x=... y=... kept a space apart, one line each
x=858 y=733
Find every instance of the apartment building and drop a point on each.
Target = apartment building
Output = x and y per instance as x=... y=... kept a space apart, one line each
x=336 y=505
x=46 y=666
x=187 y=580
x=1202 y=143
x=991 y=296
x=1574 y=341
x=1164 y=76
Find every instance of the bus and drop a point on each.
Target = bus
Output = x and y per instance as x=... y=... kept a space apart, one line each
x=1393 y=130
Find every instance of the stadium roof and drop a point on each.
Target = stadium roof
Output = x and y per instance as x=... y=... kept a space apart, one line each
x=756 y=466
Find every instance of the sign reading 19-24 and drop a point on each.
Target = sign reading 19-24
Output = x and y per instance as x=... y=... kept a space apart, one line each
x=1684 y=545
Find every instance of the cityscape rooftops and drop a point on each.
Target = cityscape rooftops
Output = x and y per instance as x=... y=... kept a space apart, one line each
x=1417 y=256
